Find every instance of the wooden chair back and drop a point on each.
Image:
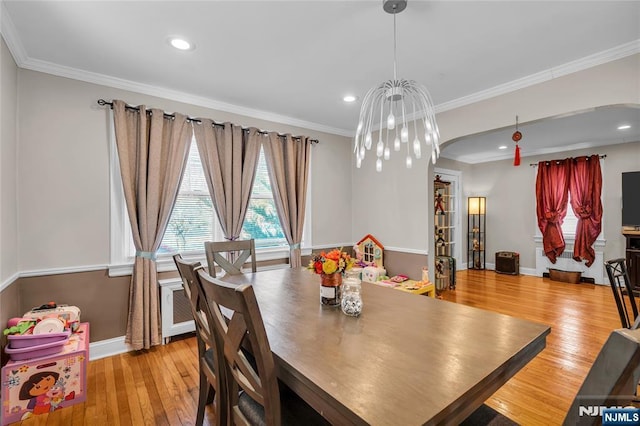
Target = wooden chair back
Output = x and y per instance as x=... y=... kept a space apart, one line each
x=237 y=254
x=611 y=381
x=244 y=328
x=621 y=286
x=210 y=366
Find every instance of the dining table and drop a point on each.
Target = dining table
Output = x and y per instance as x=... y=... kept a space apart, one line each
x=406 y=360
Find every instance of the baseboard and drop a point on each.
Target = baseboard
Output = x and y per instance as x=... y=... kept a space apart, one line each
x=492 y=267
x=528 y=271
x=108 y=347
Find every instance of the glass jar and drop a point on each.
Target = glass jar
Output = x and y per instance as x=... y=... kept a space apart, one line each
x=330 y=289
x=351 y=294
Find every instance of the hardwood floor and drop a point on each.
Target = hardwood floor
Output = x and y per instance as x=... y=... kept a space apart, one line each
x=160 y=386
x=581 y=317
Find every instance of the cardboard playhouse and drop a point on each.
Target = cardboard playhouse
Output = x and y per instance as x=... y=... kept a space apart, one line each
x=370 y=255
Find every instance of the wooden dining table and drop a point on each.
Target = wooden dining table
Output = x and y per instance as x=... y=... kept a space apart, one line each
x=406 y=360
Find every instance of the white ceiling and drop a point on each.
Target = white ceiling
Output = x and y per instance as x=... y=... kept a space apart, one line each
x=584 y=129
x=293 y=61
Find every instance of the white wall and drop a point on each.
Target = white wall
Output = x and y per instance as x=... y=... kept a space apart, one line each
x=392 y=204
x=616 y=82
x=511 y=204
x=396 y=205
x=63 y=171
x=8 y=143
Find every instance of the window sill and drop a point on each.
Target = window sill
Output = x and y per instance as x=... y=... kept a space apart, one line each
x=165 y=262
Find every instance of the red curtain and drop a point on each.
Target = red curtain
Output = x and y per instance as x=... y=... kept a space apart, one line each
x=585 y=188
x=552 y=194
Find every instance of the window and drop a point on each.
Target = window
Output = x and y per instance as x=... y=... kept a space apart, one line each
x=368 y=253
x=194 y=220
x=262 y=222
x=569 y=226
x=570 y=222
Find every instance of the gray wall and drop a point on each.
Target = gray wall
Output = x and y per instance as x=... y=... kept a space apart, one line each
x=64 y=137
x=63 y=194
x=8 y=145
x=397 y=205
x=511 y=204
x=9 y=291
x=62 y=178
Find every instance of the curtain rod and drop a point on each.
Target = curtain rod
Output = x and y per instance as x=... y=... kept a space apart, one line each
x=102 y=102
x=536 y=164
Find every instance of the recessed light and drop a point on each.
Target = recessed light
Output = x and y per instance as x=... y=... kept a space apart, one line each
x=180 y=43
x=624 y=127
x=502 y=147
x=350 y=98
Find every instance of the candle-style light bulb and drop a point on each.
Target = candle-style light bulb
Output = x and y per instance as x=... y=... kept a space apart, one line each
x=409 y=162
x=367 y=141
x=379 y=165
x=416 y=148
x=391 y=121
x=396 y=144
x=380 y=148
x=404 y=134
x=387 y=153
x=427 y=138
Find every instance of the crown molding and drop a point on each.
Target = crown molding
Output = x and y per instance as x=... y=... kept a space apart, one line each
x=175 y=95
x=10 y=35
x=600 y=58
x=615 y=53
x=477 y=159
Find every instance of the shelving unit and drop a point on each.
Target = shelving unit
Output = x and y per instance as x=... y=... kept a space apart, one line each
x=444 y=233
x=633 y=258
x=476 y=238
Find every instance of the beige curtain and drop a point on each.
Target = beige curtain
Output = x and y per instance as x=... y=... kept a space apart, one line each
x=229 y=158
x=288 y=163
x=153 y=151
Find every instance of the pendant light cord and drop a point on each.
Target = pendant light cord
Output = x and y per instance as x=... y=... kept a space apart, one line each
x=395 y=66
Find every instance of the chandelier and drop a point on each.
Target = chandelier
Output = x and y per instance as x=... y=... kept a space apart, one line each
x=402 y=105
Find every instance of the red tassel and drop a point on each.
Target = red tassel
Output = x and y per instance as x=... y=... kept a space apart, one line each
x=516 y=159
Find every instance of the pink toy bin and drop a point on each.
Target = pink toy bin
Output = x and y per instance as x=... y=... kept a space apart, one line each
x=29 y=340
x=36 y=351
x=68 y=367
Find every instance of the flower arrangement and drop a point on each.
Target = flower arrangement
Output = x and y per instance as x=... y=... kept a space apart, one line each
x=334 y=262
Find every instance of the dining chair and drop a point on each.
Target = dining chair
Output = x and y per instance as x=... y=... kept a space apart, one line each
x=209 y=350
x=255 y=395
x=232 y=264
x=611 y=381
x=621 y=286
